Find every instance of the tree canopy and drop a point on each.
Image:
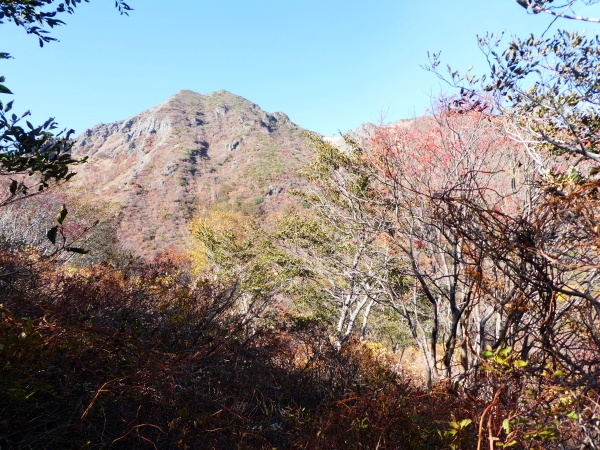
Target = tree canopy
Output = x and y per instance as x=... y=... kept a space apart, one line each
x=36 y=16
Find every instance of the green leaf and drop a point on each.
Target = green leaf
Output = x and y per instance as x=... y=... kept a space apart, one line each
x=487 y=354
x=572 y=415
x=52 y=234
x=506 y=425
x=520 y=363
x=558 y=373
x=465 y=423
x=500 y=360
x=62 y=215
x=13 y=187
x=505 y=351
x=4 y=90
x=81 y=251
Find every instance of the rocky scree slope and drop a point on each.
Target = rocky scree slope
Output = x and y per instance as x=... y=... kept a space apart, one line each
x=188 y=154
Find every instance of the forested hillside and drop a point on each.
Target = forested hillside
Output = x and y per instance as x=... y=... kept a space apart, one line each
x=187 y=155
x=216 y=277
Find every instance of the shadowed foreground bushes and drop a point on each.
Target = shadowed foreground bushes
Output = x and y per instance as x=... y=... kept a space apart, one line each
x=144 y=358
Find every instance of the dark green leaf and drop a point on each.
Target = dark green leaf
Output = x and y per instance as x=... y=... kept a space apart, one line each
x=13 y=187
x=62 y=215
x=52 y=234
x=81 y=251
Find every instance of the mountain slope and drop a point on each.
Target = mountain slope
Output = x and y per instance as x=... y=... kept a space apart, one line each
x=187 y=154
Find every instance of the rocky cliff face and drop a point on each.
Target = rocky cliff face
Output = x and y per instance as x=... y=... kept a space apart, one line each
x=188 y=154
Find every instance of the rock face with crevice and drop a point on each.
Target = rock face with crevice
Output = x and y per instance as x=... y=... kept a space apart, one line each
x=188 y=154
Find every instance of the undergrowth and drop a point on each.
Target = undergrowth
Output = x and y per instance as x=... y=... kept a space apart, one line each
x=145 y=357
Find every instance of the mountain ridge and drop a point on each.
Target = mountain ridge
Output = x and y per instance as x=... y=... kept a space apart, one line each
x=188 y=154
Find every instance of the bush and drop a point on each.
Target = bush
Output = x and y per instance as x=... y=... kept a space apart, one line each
x=144 y=356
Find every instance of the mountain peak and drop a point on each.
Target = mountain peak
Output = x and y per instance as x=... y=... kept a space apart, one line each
x=192 y=152
x=218 y=102
x=183 y=94
x=186 y=94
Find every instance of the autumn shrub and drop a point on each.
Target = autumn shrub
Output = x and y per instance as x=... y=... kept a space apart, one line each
x=371 y=405
x=510 y=402
x=107 y=357
x=146 y=356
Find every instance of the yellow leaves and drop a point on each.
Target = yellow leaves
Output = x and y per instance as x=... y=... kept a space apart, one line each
x=197 y=255
x=222 y=223
x=220 y=236
x=377 y=350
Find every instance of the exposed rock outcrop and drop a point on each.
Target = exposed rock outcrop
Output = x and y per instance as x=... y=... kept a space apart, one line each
x=187 y=154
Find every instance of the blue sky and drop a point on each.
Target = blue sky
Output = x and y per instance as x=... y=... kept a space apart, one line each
x=329 y=65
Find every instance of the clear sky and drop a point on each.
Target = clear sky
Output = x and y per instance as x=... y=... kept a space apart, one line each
x=328 y=64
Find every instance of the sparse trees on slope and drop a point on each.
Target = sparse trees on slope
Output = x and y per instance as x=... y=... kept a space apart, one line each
x=544 y=256
x=383 y=201
x=342 y=244
x=231 y=248
x=455 y=154
x=546 y=91
x=90 y=224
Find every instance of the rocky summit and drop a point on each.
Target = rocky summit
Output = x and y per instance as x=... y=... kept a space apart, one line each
x=189 y=154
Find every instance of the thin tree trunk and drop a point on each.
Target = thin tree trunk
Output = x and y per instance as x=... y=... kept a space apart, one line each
x=365 y=321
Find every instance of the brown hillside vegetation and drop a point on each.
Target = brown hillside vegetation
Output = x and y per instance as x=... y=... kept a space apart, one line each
x=293 y=335
x=430 y=284
x=185 y=155
x=145 y=358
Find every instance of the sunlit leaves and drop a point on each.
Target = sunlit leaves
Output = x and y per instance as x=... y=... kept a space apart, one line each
x=62 y=215
x=33 y=151
x=35 y=15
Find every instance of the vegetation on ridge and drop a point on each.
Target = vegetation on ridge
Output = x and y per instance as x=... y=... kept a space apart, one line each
x=437 y=287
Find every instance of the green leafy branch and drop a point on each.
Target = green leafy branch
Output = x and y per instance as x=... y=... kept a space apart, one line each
x=58 y=231
x=33 y=151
